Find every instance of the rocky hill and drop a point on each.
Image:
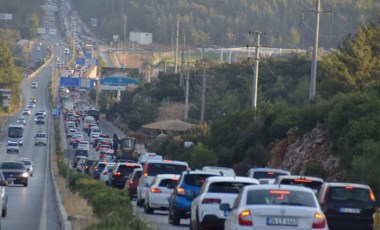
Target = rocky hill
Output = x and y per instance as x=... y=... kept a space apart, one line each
x=302 y=154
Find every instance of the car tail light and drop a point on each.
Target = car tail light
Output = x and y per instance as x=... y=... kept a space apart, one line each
x=245 y=218
x=117 y=173
x=371 y=195
x=319 y=220
x=181 y=191
x=211 y=201
x=155 y=190
x=105 y=173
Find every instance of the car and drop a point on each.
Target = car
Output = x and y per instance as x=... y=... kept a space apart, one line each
x=15 y=172
x=269 y=206
x=266 y=175
x=106 y=171
x=40 y=120
x=71 y=132
x=120 y=174
x=31 y=105
x=13 y=147
x=99 y=166
x=347 y=205
x=87 y=166
x=132 y=183
x=33 y=100
x=81 y=164
x=26 y=112
x=154 y=167
x=21 y=120
x=83 y=145
x=40 y=138
x=38 y=48
x=187 y=189
x=41 y=113
x=28 y=164
x=223 y=170
x=157 y=197
x=314 y=183
x=34 y=85
x=148 y=156
x=77 y=159
x=216 y=190
x=4 y=195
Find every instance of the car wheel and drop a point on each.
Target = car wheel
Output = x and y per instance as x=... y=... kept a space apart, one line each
x=197 y=224
x=148 y=209
x=4 y=212
x=174 y=218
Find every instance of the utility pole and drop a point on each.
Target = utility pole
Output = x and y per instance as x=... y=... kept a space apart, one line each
x=176 y=47
x=313 y=75
x=203 y=102
x=256 y=73
x=187 y=94
x=182 y=60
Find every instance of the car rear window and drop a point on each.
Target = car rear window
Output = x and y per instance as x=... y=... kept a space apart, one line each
x=267 y=175
x=349 y=194
x=171 y=182
x=226 y=187
x=137 y=175
x=128 y=169
x=280 y=197
x=314 y=185
x=195 y=179
x=101 y=166
x=165 y=168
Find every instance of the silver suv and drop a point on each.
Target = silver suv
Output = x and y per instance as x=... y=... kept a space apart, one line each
x=40 y=139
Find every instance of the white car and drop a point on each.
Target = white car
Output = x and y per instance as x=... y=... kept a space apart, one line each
x=40 y=139
x=216 y=190
x=71 y=132
x=28 y=165
x=26 y=112
x=223 y=170
x=159 y=192
x=34 y=85
x=93 y=137
x=83 y=145
x=104 y=175
x=275 y=207
x=12 y=147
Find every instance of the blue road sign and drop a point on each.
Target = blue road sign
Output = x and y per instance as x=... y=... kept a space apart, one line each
x=80 y=61
x=123 y=81
x=69 y=82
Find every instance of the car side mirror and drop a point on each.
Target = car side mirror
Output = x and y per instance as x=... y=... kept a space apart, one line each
x=225 y=207
x=3 y=183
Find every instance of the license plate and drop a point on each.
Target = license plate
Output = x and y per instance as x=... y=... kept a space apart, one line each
x=350 y=210
x=226 y=212
x=285 y=221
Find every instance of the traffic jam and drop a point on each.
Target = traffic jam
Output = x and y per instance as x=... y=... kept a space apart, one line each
x=211 y=197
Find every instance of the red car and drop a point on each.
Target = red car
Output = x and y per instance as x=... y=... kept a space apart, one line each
x=132 y=183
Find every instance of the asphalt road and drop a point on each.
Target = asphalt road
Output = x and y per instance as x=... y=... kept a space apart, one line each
x=35 y=206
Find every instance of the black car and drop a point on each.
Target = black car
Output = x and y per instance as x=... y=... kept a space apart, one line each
x=120 y=174
x=347 y=206
x=15 y=171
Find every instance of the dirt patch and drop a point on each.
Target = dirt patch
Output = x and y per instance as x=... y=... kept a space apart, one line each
x=171 y=111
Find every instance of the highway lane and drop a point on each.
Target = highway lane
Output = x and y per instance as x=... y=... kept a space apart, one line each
x=35 y=206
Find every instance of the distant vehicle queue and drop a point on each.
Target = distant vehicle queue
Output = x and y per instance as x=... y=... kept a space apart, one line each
x=215 y=197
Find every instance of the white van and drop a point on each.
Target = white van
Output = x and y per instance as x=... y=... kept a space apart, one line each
x=88 y=122
x=148 y=156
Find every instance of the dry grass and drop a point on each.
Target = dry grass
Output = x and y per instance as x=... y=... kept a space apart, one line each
x=78 y=210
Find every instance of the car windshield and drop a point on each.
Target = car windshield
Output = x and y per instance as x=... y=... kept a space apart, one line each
x=26 y=162
x=314 y=185
x=12 y=165
x=40 y=135
x=137 y=175
x=280 y=197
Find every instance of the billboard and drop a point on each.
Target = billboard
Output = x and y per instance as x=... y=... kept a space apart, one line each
x=69 y=82
x=126 y=72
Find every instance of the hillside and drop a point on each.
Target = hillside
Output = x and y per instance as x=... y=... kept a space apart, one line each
x=227 y=23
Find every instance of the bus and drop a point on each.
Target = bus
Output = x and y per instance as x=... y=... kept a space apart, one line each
x=15 y=133
x=94 y=113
